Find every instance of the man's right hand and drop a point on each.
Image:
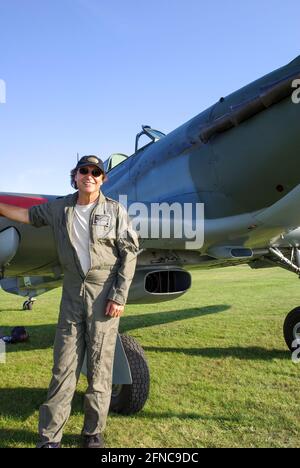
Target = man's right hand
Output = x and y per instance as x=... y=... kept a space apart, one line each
x=114 y=309
x=15 y=213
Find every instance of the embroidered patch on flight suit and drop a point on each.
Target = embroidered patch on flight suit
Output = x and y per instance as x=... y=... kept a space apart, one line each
x=102 y=220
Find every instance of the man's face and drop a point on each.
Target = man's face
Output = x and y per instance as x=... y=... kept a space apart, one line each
x=89 y=182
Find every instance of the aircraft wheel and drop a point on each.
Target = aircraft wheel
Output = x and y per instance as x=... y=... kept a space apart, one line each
x=291 y=328
x=129 y=399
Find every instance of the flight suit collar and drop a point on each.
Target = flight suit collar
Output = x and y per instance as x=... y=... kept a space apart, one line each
x=101 y=198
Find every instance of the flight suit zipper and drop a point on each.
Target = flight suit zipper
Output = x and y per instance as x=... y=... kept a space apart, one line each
x=91 y=239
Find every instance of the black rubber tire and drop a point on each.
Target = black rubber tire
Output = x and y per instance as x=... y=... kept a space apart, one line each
x=131 y=399
x=292 y=319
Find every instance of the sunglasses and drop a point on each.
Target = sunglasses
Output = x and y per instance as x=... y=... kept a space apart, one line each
x=95 y=172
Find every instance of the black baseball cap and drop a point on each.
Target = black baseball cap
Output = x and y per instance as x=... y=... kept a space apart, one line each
x=91 y=160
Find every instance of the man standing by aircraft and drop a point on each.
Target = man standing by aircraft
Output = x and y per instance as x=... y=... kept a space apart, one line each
x=97 y=248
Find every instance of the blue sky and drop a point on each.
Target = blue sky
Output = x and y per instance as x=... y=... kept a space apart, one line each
x=84 y=75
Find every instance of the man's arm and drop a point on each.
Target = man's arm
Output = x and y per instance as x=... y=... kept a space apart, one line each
x=15 y=213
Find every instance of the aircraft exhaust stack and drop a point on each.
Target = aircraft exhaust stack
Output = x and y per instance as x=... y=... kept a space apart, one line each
x=230 y=252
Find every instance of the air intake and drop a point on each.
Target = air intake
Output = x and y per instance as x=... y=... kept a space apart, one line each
x=166 y=282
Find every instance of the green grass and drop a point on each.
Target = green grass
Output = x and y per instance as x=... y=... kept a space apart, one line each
x=221 y=375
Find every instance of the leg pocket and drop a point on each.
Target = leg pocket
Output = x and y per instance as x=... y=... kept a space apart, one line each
x=94 y=351
x=100 y=357
x=69 y=347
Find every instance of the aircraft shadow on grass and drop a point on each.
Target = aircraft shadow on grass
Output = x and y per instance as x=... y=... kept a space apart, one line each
x=10 y=438
x=10 y=309
x=152 y=319
x=245 y=353
x=21 y=403
x=42 y=336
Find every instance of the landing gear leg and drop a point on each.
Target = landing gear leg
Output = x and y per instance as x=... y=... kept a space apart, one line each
x=28 y=305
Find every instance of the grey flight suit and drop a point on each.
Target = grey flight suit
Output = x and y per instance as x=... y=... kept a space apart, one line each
x=82 y=324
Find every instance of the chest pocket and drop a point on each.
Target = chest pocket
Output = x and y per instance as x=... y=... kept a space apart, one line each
x=104 y=226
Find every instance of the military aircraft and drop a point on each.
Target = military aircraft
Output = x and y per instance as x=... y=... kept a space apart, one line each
x=240 y=159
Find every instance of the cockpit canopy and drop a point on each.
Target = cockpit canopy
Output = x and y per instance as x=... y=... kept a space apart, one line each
x=117 y=158
x=153 y=134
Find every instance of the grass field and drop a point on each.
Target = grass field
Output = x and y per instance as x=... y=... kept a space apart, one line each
x=221 y=375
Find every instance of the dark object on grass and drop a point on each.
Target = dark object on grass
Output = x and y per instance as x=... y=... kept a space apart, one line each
x=18 y=335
